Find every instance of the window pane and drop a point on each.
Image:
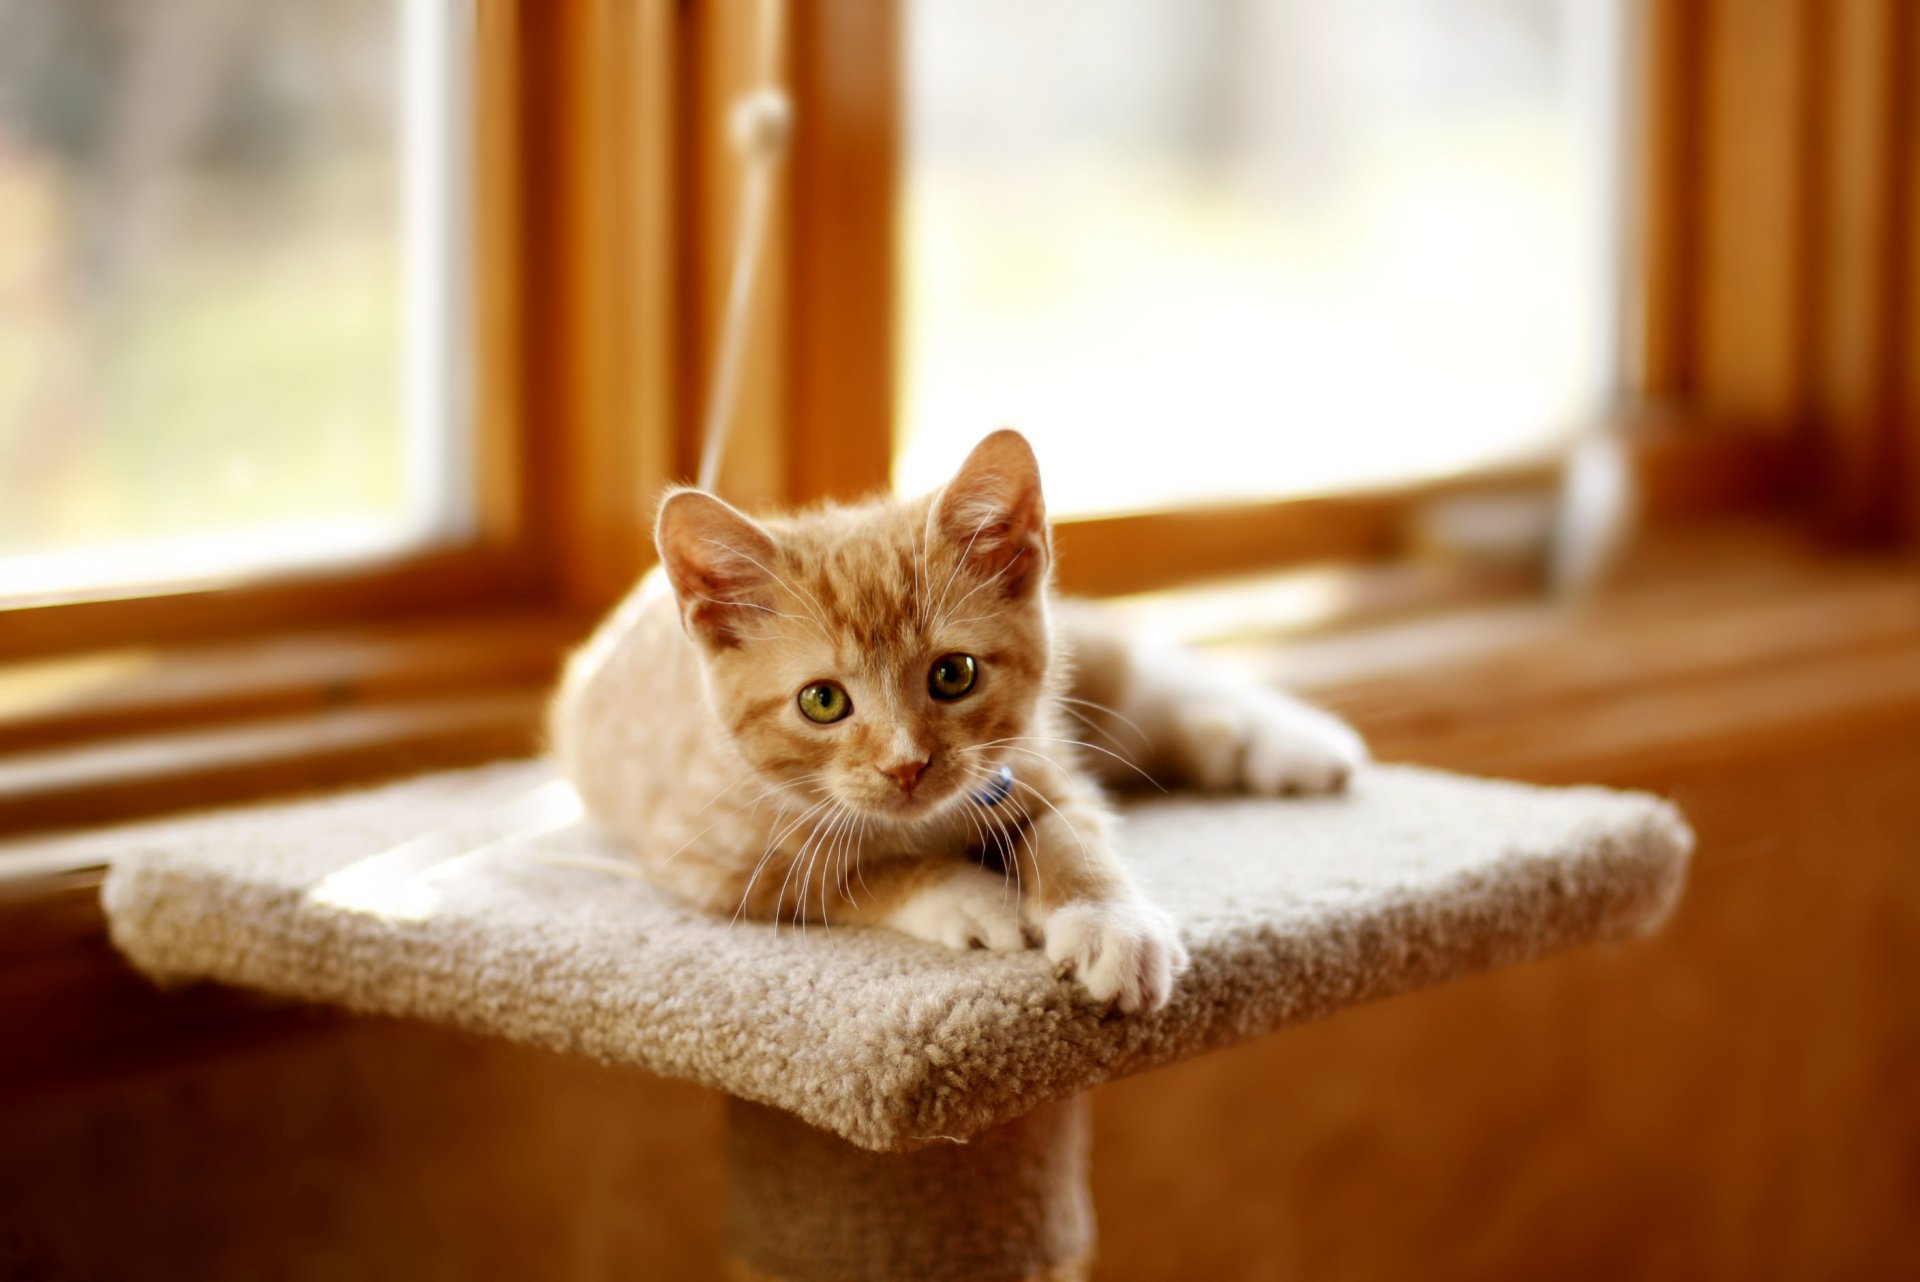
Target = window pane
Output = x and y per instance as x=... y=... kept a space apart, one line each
x=1250 y=248
x=212 y=213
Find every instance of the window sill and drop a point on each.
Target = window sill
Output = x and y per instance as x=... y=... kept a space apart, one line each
x=1716 y=645
x=112 y=735
x=1709 y=639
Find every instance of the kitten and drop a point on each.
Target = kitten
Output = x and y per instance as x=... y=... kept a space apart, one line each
x=875 y=714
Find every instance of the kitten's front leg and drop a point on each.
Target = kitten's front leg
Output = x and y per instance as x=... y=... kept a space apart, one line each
x=1186 y=722
x=943 y=899
x=1098 y=927
x=962 y=906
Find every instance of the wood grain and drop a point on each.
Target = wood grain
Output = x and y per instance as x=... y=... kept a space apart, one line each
x=158 y=614
x=1861 y=251
x=133 y=775
x=1669 y=180
x=1753 y=230
x=100 y=693
x=1732 y=1099
x=1684 y=470
x=718 y=55
x=846 y=164
x=1735 y=1098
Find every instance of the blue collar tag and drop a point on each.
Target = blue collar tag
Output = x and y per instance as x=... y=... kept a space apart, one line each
x=997 y=789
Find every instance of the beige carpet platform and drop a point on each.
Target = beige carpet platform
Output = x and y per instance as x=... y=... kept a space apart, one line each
x=481 y=899
x=454 y=898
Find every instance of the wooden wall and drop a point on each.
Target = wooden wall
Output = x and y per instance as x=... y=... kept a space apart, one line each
x=1738 y=1098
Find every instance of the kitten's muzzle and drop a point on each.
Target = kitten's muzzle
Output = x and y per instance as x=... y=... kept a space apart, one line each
x=906 y=773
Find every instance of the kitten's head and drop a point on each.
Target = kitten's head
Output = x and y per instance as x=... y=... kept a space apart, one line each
x=882 y=655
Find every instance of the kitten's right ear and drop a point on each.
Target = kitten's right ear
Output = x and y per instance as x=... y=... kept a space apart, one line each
x=717 y=560
x=992 y=512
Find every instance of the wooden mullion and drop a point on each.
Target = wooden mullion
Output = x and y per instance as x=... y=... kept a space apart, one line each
x=1860 y=244
x=1670 y=200
x=1904 y=364
x=1752 y=314
x=598 y=394
x=845 y=172
x=506 y=496
x=718 y=59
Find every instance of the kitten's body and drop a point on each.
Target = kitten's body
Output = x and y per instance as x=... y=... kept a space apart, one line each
x=678 y=723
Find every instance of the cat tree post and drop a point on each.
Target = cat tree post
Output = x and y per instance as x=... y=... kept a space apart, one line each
x=1011 y=1203
x=899 y=1110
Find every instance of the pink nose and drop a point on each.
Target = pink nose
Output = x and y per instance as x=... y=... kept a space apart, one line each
x=906 y=774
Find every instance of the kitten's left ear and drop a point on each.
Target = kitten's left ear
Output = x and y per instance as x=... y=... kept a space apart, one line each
x=994 y=513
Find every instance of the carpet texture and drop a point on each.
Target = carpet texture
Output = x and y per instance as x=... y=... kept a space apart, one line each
x=476 y=898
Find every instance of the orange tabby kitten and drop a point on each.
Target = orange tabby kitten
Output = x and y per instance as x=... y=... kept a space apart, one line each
x=865 y=714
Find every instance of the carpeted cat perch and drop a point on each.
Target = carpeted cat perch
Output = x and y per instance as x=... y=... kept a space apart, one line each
x=899 y=1111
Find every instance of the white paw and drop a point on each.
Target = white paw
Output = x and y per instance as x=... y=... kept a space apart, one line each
x=1126 y=955
x=968 y=908
x=1264 y=743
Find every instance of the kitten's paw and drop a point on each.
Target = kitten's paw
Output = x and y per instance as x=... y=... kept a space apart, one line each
x=967 y=908
x=1265 y=744
x=1126 y=955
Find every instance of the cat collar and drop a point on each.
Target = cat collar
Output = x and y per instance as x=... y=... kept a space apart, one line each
x=998 y=788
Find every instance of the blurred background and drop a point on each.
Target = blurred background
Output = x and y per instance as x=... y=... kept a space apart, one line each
x=1129 y=225
x=1531 y=381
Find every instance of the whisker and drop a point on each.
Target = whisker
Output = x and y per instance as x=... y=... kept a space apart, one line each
x=1093 y=727
x=809 y=849
x=1086 y=858
x=723 y=818
x=1026 y=834
x=860 y=846
x=1145 y=739
x=1009 y=855
x=842 y=851
x=841 y=822
x=749 y=806
x=1035 y=738
x=767 y=853
x=834 y=868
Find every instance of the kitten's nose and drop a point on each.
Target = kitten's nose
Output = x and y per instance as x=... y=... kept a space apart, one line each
x=906 y=773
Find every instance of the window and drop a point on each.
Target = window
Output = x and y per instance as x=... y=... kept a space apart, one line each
x=1337 y=245
x=453 y=268
x=230 y=296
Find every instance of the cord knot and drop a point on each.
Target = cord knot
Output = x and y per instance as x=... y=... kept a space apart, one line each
x=760 y=124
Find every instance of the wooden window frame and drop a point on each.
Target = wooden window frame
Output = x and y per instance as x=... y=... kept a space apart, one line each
x=606 y=192
x=606 y=210
x=602 y=152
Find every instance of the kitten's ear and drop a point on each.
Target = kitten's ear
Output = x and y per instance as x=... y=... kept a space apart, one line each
x=717 y=559
x=992 y=510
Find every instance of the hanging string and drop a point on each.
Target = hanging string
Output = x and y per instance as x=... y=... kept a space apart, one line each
x=761 y=122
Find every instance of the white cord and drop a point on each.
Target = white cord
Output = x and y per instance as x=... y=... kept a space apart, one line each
x=761 y=122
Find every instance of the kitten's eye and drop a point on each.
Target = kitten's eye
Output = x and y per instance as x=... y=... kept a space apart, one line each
x=825 y=701
x=952 y=676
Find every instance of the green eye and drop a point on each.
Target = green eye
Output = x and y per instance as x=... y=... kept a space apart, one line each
x=825 y=701
x=952 y=676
